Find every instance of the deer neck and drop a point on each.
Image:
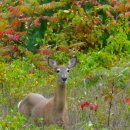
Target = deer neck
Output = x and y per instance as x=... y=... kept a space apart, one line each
x=60 y=98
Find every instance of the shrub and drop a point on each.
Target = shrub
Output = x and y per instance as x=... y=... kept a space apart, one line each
x=17 y=79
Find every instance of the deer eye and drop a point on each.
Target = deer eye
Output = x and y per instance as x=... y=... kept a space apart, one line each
x=68 y=70
x=58 y=70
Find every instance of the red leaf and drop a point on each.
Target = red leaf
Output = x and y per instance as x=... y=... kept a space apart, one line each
x=37 y=22
x=91 y=106
x=84 y=104
x=14 y=11
x=8 y=31
x=128 y=101
x=13 y=37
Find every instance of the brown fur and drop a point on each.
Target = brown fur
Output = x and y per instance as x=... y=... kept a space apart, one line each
x=53 y=110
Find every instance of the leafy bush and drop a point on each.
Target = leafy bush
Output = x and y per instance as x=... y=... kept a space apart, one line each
x=14 y=121
x=97 y=32
x=118 y=43
x=23 y=25
x=87 y=25
x=19 y=78
x=75 y=26
x=94 y=82
x=105 y=87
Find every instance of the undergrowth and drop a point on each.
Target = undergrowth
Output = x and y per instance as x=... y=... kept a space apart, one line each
x=91 y=80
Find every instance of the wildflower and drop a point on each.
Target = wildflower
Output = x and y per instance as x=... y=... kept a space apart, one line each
x=66 y=11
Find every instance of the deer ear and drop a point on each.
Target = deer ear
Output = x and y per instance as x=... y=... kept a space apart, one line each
x=51 y=63
x=72 y=62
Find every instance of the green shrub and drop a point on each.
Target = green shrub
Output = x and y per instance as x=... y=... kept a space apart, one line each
x=19 y=78
x=118 y=43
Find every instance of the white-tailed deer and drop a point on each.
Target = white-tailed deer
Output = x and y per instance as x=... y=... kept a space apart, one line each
x=53 y=110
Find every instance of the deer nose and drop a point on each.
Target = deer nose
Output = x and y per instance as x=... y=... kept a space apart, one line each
x=64 y=79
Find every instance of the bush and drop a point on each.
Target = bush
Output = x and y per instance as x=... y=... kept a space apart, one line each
x=19 y=78
x=97 y=32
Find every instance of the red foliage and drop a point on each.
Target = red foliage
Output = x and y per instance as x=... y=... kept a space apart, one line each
x=11 y=34
x=37 y=22
x=8 y=31
x=15 y=23
x=91 y=106
x=14 y=11
x=14 y=37
x=127 y=14
x=127 y=100
x=45 y=51
x=84 y=104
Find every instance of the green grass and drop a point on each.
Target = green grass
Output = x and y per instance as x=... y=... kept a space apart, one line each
x=91 y=80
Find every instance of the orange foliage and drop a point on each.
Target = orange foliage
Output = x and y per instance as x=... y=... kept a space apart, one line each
x=109 y=14
x=127 y=14
x=51 y=18
x=14 y=11
x=15 y=23
x=45 y=51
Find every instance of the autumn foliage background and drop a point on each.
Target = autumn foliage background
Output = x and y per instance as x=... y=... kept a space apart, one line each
x=96 y=31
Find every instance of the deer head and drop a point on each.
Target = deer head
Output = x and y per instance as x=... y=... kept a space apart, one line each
x=62 y=71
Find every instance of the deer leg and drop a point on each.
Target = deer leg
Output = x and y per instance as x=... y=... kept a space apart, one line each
x=26 y=123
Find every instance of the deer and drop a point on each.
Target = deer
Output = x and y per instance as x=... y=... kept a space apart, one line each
x=53 y=110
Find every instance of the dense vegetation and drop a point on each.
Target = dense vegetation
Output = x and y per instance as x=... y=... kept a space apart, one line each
x=96 y=31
